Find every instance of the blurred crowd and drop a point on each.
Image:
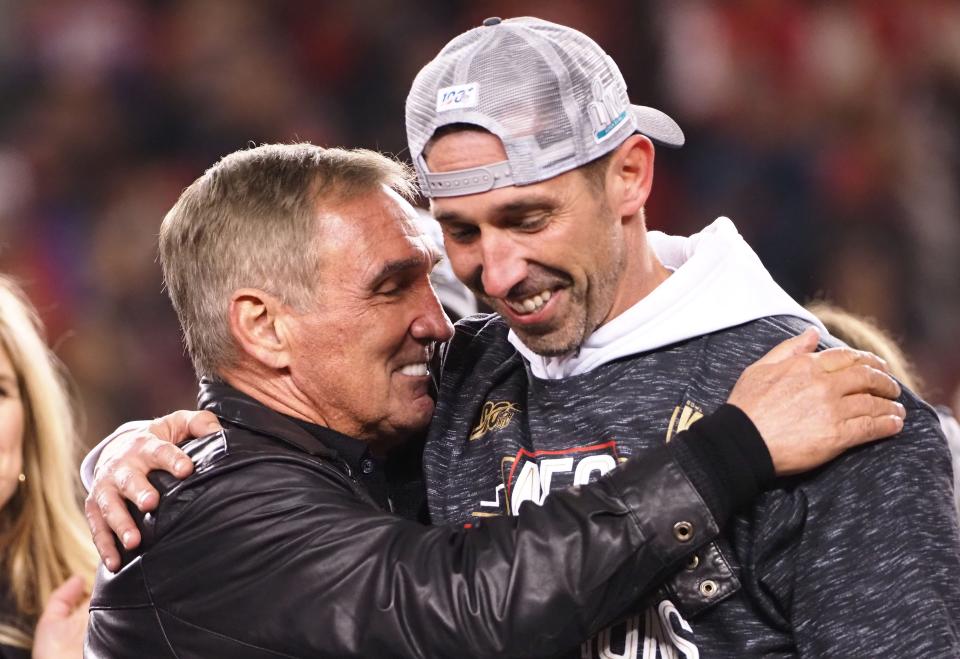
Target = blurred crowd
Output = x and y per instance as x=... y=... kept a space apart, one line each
x=828 y=131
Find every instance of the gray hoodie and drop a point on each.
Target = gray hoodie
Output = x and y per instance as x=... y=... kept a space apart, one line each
x=860 y=558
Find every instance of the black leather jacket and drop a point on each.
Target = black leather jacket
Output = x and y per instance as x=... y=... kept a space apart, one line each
x=271 y=548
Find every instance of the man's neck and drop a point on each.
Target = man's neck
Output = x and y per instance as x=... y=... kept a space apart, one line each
x=275 y=392
x=643 y=274
x=280 y=394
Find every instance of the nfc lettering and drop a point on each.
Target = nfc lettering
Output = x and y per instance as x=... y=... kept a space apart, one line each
x=535 y=480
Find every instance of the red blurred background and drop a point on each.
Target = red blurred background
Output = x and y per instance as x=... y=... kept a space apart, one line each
x=828 y=131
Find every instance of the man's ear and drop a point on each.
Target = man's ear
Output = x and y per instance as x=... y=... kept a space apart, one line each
x=630 y=175
x=256 y=322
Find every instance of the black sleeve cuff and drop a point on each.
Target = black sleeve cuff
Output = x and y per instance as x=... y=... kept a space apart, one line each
x=726 y=459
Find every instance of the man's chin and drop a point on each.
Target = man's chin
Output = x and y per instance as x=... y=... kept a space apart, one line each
x=409 y=423
x=416 y=416
x=549 y=344
x=557 y=334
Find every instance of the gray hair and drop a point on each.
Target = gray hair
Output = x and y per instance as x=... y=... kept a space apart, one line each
x=250 y=221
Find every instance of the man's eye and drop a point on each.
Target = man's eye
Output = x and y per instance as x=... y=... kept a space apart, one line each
x=462 y=234
x=398 y=285
x=533 y=222
x=390 y=291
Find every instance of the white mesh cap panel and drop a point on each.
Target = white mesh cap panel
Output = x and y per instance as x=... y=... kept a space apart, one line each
x=551 y=95
x=520 y=92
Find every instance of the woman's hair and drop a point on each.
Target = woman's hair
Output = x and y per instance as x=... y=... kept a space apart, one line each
x=862 y=334
x=42 y=530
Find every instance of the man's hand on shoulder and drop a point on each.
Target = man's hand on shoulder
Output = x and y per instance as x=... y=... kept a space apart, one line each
x=135 y=450
x=812 y=406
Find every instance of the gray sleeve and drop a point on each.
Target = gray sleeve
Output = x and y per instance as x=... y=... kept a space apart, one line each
x=877 y=567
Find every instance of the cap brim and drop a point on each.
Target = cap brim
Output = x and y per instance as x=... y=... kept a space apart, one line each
x=658 y=126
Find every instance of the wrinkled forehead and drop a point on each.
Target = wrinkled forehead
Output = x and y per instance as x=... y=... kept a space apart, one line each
x=366 y=232
x=409 y=223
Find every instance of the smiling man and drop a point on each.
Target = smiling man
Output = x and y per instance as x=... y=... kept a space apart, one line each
x=609 y=339
x=552 y=260
x=612 y=348
x=301 y=281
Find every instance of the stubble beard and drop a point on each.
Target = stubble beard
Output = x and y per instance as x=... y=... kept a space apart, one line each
x=589 y=305
x=587 y=313
x=566 y=338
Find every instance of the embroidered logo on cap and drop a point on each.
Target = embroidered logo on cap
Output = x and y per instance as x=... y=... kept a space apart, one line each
x=458 y=96
x=606 y=112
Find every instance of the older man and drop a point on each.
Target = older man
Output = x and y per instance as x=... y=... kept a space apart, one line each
x=301 y=283
x=610 y=340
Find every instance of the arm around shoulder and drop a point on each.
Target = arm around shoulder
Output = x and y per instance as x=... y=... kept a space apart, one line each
x=344 y=578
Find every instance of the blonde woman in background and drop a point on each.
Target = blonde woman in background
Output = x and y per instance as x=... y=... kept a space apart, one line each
x=862 y=334
x=48 y=560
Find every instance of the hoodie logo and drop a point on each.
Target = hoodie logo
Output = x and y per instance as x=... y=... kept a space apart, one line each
x=532 y=475
x=494 y=416
x=683 y=417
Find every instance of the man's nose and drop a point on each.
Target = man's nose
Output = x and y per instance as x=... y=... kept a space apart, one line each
x=503 y=267
x=431 y=324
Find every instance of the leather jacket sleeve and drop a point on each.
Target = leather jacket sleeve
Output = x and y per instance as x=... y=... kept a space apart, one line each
x=292 y=560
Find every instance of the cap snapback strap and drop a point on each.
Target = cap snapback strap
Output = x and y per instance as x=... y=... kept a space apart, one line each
x=466 y=181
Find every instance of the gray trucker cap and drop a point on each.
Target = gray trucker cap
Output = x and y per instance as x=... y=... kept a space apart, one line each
x=549 y=92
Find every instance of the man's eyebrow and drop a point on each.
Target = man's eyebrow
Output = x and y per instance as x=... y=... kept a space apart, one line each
x=519 y=207
x=392 y=268
x=525 y=205
x=448 y=216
